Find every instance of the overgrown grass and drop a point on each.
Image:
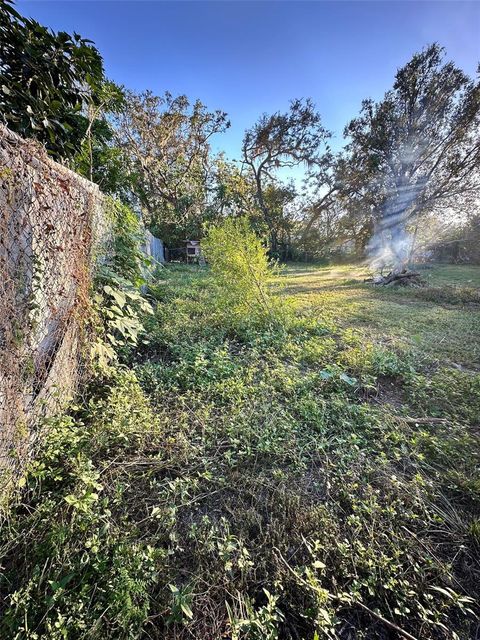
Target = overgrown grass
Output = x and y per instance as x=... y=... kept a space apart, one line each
x=314 y=478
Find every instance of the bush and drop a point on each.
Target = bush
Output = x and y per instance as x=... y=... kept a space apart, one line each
x=241 y=269
x=126 y=257
x=119 y=306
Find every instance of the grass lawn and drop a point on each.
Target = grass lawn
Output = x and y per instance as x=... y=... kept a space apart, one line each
x=314 y=475
x=435 y=326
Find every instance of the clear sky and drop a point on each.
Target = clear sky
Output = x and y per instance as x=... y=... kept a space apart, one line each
x=249 y=57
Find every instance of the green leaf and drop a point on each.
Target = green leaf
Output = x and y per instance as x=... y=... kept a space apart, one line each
x=186 y=610
x=444 y=592
x=117 y=295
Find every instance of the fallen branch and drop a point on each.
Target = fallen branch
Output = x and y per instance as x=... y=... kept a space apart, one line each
x=397 y=277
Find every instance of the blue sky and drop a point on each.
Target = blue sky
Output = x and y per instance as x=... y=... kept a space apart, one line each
x=251 y=57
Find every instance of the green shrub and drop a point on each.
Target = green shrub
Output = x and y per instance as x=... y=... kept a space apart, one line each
x=118 y=305
x=120 y=311
x=126 y=257
x=241 y=269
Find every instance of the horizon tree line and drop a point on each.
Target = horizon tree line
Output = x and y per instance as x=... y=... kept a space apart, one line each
x=409 y=159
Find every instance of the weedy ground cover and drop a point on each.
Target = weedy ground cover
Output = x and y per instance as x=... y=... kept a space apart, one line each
x=309 y=472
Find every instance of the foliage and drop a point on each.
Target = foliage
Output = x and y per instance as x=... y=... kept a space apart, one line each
x=84 y=571
x=454 y=243
x=53 y=89
x=165 y=141
x=276 y=141
x=45 y=80
x=99 y=159
x=410 y=161
x=263 y=481
x=234 y=191
x=241 y=268
x=119 y=306
x=258 y=468
x=126 y=257
x=418 y=148
x=253 y=623
x=337 y=213
x=120 y=310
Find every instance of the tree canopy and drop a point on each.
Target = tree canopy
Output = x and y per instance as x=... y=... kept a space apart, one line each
x=418 y=148
x=165 y=141
x=281 y=140
x=46 y=79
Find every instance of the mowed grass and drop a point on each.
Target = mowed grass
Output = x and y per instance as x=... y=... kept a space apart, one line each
x=444 y=330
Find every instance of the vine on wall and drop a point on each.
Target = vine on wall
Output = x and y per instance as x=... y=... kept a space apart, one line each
x=70 y=268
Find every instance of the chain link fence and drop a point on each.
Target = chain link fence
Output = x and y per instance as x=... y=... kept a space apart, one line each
x=51 y=226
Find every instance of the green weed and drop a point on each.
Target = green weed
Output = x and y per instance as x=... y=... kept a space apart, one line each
x=253 y=480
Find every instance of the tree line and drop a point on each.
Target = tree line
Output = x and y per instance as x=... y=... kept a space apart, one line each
x=407 y=176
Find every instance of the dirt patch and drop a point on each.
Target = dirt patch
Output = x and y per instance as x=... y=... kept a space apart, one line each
x=388 y=391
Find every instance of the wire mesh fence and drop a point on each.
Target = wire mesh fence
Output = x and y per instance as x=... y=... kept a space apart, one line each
x=51 y=225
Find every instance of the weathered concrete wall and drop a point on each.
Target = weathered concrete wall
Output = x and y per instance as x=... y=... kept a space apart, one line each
x=50 y=224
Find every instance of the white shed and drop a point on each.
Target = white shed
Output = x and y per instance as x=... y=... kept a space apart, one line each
x=193 y=250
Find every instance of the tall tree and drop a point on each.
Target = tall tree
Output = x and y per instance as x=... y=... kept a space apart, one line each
x=234 y=190
x=99 y=158
x=166 y=143
x=417 y=149
x=278 y=141
x=46 y=79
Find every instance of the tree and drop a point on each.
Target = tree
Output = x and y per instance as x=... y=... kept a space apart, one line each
x=278 y=141
x=233 y=190
x=99 y=159
x=165 y=141
x=322 y=186
x=46 y=78
x=416 y=150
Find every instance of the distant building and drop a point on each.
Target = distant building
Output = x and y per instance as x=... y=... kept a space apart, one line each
x=193 y=250
x=159 y=253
